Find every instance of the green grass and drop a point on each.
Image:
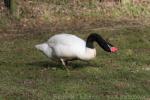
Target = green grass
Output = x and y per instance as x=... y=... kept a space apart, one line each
x=26 y=74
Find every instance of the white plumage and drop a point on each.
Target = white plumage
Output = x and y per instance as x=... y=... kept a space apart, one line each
x=66 y=47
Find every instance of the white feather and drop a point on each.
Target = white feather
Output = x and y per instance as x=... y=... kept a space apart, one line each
x=45 y=49
x=66 y=46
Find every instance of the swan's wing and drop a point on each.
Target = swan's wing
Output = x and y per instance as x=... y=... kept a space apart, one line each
x=67 y=45
x=66 y=40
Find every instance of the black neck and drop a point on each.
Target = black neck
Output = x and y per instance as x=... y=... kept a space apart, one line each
x=102 y=43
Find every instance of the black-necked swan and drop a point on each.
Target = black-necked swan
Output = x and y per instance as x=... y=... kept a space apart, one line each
x=66 y=47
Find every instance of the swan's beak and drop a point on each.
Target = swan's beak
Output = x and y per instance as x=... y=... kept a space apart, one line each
x=113 y=49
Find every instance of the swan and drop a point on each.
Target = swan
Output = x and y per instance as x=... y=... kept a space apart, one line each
x=66 y=47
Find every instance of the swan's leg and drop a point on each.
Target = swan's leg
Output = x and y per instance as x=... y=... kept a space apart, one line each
x=64 y=63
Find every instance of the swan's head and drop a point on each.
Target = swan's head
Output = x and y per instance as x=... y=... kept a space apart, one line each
x=102 y=43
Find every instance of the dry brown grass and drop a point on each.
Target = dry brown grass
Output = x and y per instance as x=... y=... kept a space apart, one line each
x=57 y=16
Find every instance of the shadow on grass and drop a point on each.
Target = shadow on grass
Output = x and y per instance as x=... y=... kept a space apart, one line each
x=45 y=64
x=51 y=64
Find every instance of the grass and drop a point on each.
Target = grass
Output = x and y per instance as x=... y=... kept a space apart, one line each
x=55 y=12
x=26 y=74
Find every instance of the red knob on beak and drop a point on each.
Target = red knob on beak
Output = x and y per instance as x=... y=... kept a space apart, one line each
x=114 y=49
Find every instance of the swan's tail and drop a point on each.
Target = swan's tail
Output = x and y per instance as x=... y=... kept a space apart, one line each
x=45 y=49
x=42 y=46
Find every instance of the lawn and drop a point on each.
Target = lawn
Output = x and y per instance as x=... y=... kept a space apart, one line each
x=27 y=74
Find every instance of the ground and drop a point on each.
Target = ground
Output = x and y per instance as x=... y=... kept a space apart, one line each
x=26 y=74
